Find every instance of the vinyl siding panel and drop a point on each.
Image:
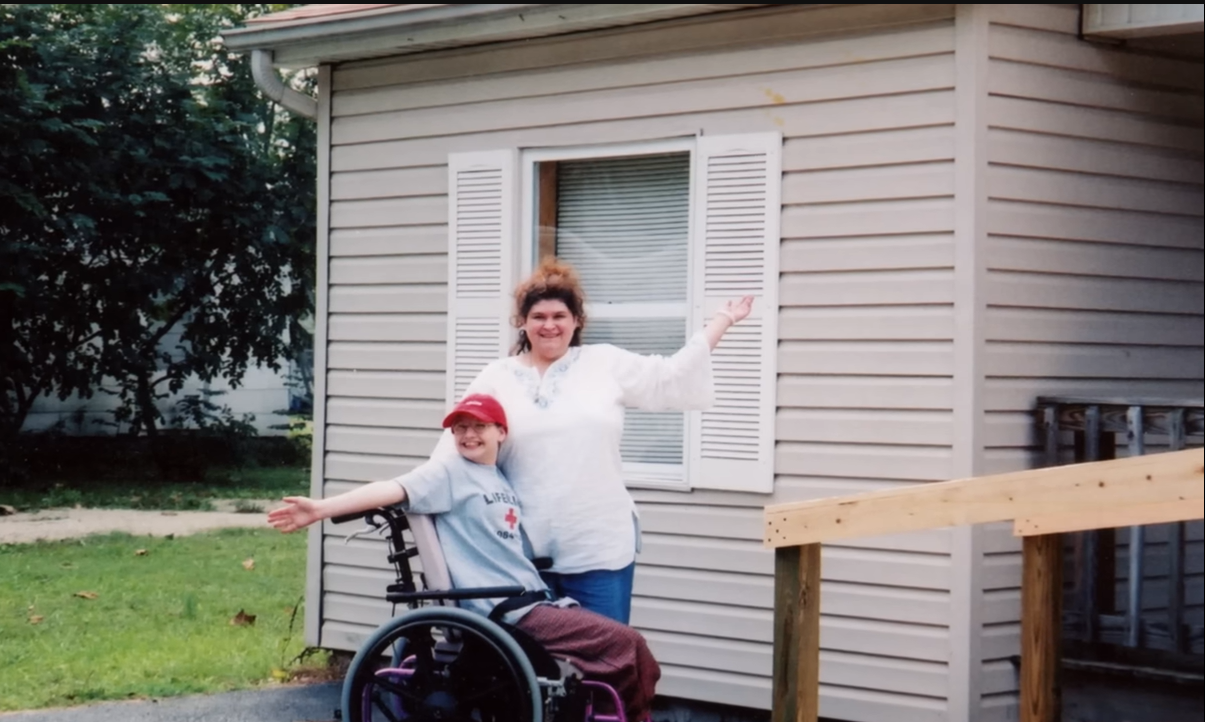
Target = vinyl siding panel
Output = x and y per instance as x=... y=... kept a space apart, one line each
x=386 y=384
x=1094 y=248
x=812 y=120
x=864 y=98
x=827 y=85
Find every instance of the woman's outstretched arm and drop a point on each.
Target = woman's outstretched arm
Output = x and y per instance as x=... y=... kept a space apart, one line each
x=679 y=382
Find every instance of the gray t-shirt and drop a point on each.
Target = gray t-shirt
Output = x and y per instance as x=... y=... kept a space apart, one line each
x=478 y=521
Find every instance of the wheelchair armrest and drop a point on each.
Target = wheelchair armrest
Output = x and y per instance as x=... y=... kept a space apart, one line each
x=542 y=563
x=454 y=594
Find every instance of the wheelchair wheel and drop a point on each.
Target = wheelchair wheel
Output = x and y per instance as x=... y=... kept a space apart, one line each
x=457 y=667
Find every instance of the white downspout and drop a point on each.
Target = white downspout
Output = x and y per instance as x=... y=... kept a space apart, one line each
x=270 y=83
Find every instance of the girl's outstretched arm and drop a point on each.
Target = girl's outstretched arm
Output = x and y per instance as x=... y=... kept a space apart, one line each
x=300 y=511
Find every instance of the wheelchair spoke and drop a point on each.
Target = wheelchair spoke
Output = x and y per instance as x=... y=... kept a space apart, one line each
x=424 y=658
x=382 y=706
x=399 y=651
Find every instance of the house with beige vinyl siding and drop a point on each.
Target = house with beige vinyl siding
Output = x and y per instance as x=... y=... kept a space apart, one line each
x=945 y=212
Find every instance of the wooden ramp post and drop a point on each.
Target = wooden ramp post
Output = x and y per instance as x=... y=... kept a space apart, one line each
x=1041 y=627
x=797 y=633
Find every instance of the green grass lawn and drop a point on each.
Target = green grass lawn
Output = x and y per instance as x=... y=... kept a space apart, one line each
x=117 y=617
x=119 y=493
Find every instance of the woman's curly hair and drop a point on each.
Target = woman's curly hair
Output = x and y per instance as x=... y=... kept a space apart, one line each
x=552 y=280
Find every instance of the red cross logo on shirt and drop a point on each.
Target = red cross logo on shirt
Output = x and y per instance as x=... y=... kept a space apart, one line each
x=511 y=518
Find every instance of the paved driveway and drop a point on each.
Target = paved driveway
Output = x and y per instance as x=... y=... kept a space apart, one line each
x=304 y=703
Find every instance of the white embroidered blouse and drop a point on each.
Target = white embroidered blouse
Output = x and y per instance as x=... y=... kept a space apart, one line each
x=562 y=452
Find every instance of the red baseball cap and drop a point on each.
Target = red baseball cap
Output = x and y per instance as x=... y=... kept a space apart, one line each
x=482 y=407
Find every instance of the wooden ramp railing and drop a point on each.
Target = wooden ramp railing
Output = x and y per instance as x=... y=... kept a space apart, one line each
x=1041 y=503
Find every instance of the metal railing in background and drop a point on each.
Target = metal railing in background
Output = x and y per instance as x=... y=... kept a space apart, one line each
x=1102 y=428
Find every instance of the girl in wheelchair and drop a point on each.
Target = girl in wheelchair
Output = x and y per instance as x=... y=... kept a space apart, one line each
x=478 y=519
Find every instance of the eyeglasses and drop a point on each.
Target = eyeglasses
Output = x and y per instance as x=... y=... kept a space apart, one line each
x=462 y=428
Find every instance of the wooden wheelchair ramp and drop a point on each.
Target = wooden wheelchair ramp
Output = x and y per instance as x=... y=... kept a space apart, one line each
x=1042 y=504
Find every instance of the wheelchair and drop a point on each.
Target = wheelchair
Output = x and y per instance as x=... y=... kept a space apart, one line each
x=439 y=663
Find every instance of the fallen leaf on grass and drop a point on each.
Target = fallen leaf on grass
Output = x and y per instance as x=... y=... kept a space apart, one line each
x=249 y=565
x=242 y=619
x=280 y=675
x=37 y=619
x=87 y=595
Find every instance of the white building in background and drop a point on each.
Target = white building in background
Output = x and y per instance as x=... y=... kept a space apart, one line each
x=265 y=394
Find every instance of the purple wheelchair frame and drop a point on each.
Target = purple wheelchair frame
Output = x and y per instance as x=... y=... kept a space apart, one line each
x=436 y=581
x=396 y=674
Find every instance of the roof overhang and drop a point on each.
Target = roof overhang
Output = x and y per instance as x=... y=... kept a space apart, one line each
x=378 y=31
x=1142 y=21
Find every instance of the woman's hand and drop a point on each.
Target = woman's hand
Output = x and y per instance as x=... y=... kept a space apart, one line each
x=738 y=310
x=732 y=312
x=297 y=513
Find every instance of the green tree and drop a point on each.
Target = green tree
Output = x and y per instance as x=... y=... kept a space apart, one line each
x=149 y=195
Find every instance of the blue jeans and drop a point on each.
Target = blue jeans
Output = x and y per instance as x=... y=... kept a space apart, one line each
x=603 y=591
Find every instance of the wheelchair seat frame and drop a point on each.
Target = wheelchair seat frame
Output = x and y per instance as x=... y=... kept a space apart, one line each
x=446 y=664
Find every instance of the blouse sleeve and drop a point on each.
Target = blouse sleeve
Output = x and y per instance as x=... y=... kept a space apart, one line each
x=666 y=383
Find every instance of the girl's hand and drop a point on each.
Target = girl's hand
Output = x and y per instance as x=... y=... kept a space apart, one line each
x=298 y=513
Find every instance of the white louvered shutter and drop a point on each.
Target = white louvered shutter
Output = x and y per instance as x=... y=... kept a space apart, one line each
x=481 y=262
x=735 y=253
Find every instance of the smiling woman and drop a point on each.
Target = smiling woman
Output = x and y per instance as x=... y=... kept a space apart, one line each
x=565 y=403
x=551 y=314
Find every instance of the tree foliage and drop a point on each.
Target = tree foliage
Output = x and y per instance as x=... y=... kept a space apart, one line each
x=156 y=212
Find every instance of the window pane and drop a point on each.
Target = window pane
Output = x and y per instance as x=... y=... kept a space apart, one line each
x=648 y=438
x=624 y=223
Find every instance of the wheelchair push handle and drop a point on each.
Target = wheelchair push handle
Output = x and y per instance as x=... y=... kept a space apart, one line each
x=375 y=519
x=387 y=514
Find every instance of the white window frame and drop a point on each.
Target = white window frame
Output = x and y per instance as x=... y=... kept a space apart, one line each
x=636 y=475
x=736 y=213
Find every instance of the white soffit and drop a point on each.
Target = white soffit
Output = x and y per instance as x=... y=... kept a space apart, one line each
x=379 y=33
x=1142 y=21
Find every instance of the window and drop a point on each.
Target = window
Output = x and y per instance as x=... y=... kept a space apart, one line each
x=624 y=223
x=662 y=234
